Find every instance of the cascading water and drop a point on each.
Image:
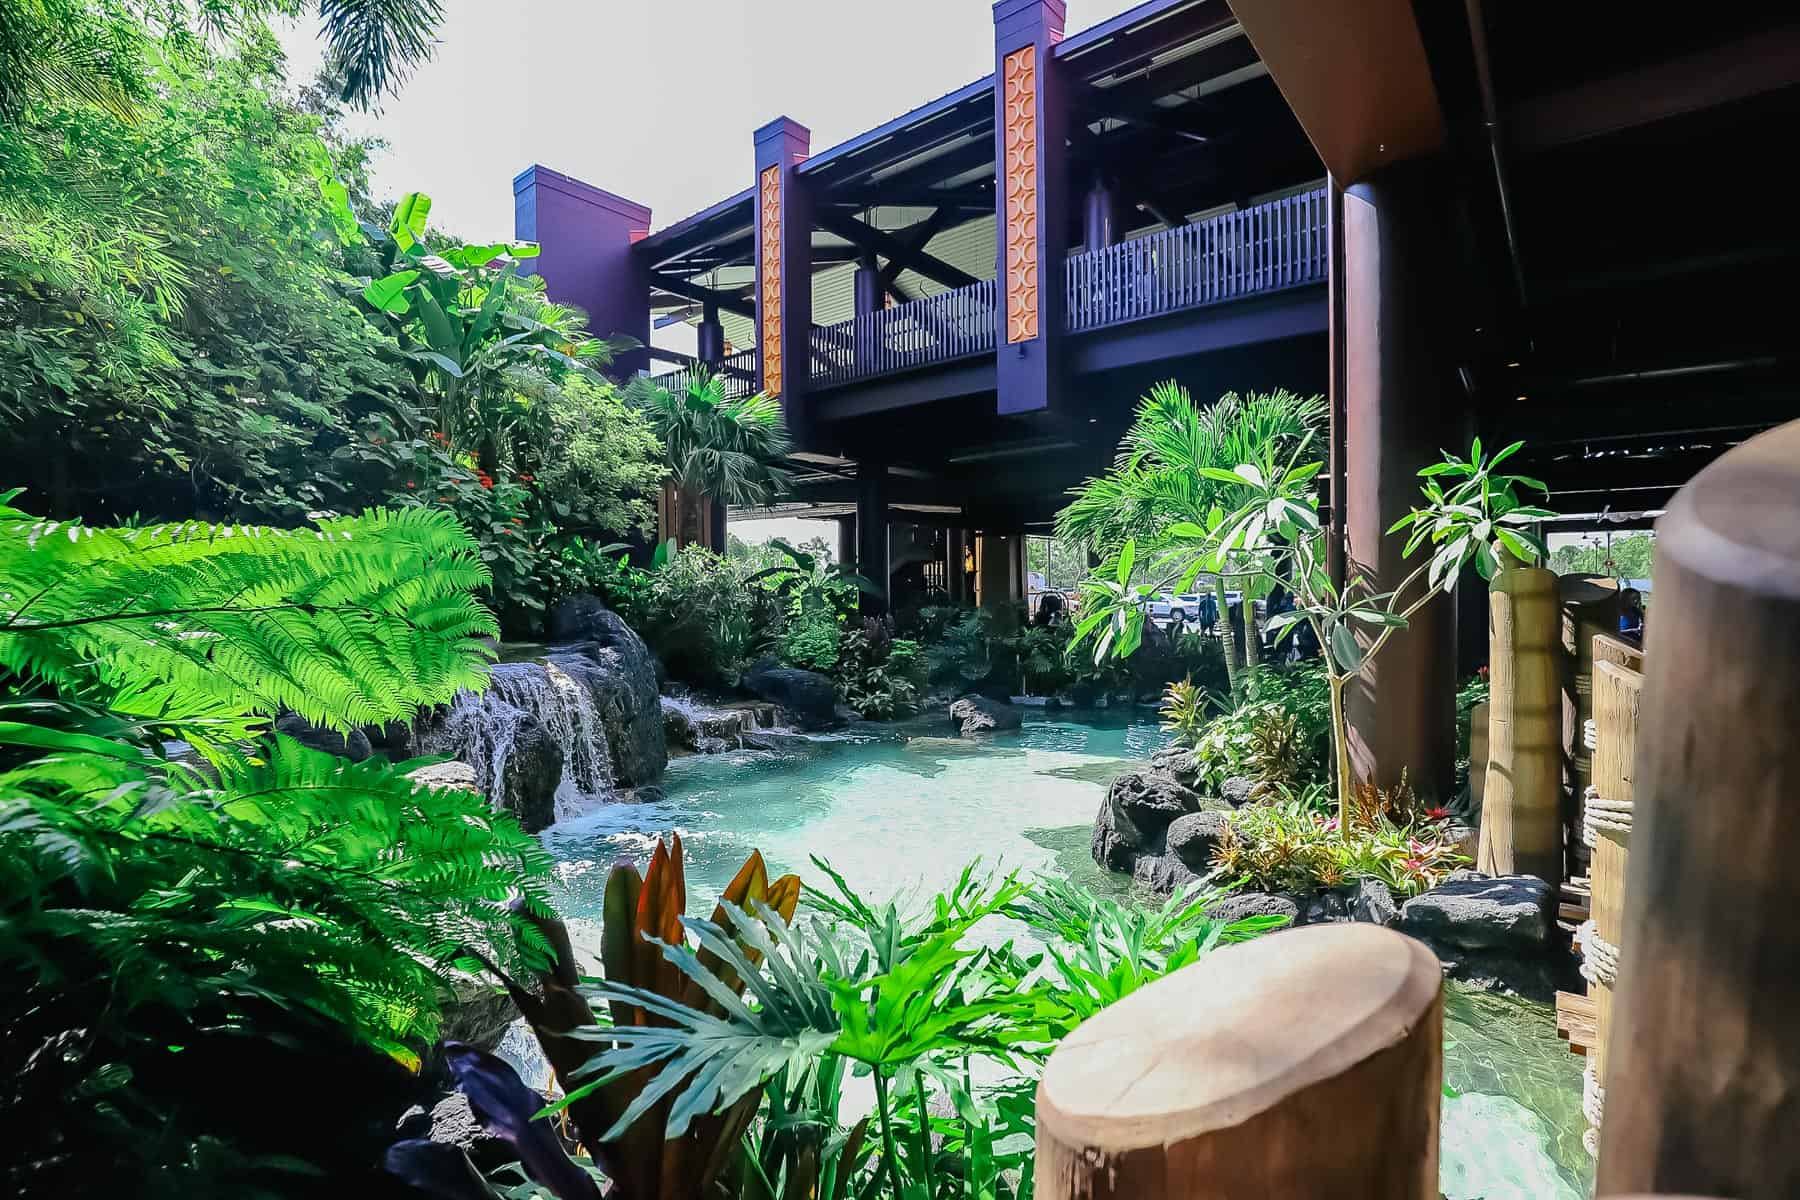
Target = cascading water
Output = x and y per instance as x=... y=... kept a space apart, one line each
x=483 y=731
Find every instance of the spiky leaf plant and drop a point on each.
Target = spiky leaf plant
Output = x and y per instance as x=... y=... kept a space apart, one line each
x=176 y=926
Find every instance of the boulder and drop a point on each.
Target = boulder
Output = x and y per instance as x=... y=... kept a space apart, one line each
x=1150 y=801
x=1163 y=874
x=452 y=774
x=394 y=739
x=531 y=774
x=353 y=745
x=1178 y=763
x=476 y=1011
x=1238 y=790
x=1255 y=904
x=607 y=657
x=1325 y=906
x=1514 y=913
x=808 y=697
x=1373 y=903
x=1193 y=836
x=1116 y=841
x=452 y=1122
x=978 y=714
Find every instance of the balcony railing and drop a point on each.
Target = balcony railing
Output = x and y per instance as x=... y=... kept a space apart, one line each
x=736 y=374
x=1262 y=249
x=919 y=333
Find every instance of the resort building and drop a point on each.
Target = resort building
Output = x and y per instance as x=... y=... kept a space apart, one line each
x=1529 y=221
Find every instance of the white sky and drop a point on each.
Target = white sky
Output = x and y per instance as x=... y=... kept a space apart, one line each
x=655 y=100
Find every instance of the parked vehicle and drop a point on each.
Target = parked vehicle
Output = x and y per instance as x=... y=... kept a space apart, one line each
x=1166 y=607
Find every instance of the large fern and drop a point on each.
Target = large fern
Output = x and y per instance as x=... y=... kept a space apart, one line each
x=206 y=629
x=167 y=921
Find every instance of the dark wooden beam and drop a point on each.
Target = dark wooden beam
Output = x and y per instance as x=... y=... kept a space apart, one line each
x=978 y=197
x=888 y=246
x=1705 y=79
x=916 y=236
x=692 y=291
x=1094 y=103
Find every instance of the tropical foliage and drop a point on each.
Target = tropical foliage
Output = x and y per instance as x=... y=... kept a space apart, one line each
x=1290 y=844
x=1168 y=474
x=177 y=922
x=1472 y=513
x=730 y=449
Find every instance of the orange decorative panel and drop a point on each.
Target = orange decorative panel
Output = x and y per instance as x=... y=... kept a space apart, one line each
x=769 y=197
x=1021 y=182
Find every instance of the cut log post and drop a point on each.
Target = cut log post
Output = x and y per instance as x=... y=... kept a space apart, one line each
x=1608 y=832
x=1590 y=607
x=1521 y=811
x=1616 y=650
x=1303 y=1064
x=1703 y=1073
x=1478 y=753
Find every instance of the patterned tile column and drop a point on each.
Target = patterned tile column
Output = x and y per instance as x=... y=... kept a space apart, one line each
x=1030 y=125
x=784 y=269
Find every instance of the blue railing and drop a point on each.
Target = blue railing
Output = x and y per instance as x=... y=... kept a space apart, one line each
x=919 y=333
x=1272 y=246
x=736 y=374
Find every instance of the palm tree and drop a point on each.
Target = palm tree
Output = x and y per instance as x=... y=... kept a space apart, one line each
x=1158 y=477
x=728 y=450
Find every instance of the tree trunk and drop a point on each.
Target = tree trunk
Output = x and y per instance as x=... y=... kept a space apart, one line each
x=1252 y=639
x=1226 y=639
x=1703 y=1065
x=1302 y=1064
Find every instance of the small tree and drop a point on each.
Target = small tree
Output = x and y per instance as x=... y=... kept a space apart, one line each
x=1272 y=533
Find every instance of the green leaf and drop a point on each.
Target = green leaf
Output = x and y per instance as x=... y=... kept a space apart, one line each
x=1127 y=559
x=1250 y=474
x=389 y=292
x=1344 y=648
x=408 y=225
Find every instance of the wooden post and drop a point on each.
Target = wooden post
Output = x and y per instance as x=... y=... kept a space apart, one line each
x=1608 y=832
x=1478 y=753
x=1590 y=606
x=1302 y=1064
x=1704 y=1070
x=1608 y=648
x=1521 y=825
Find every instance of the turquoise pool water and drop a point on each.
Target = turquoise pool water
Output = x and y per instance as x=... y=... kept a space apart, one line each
x=900 y=810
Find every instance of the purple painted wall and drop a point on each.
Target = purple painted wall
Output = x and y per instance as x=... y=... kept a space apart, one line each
x=586 y=236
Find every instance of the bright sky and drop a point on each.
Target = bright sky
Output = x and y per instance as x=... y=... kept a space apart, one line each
x=656 y=100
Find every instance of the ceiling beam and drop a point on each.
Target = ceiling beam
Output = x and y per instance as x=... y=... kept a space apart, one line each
x=1705 y=79
x=915 y=236
x=705 y=295
x=888 y=246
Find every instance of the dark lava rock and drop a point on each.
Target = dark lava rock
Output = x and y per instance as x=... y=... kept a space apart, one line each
x=353 y=745
x=1150 y=801
x=1513 y=913
x=1255 y=904
x=1373 y=903
x=1116 y=841
x=1178 y=764
x=1193 y=836
x=531 y=774
x=978 y=714
x=807 y=696
x=1325 y=906
x=1163 y=874
x=1237 y=790
x=610 y=660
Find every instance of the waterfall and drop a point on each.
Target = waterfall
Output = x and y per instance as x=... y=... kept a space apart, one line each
x=483 y=731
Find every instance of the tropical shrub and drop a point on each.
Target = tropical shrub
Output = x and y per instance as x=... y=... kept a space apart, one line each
x=1291 y=845
x=1279 y=733
x=1185 y=708
x=177 y=924
x=879 y=675
x=695 y=609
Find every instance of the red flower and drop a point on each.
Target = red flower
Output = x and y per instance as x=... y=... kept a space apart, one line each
x=1439 y=813
x=483 y=478
x=411 y=484
x=526 y=478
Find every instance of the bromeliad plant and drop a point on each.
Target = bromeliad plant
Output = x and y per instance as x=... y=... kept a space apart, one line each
x=1266 y=527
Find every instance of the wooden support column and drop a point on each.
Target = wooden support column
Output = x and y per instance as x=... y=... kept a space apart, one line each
x=1703 y=1070
x=1031 y=201
x=784 y=271
x=872 y=530
x=1299 y=1065
x=994 y=571
x=1402 y=405
x=846 y=538
x=1616 y=701
x=1590 y=607
x=1521 y=807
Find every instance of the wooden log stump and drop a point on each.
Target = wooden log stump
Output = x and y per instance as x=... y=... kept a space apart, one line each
x=1618 y=651
x=1616 y=703
x=1703 y=1074
x=1521 y=809
x=1301 y=1065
